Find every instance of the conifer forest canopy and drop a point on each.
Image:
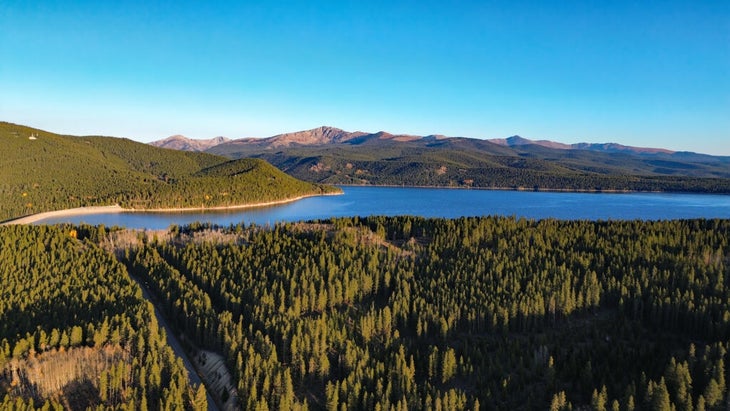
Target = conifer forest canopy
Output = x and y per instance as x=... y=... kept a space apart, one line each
x=374 y=313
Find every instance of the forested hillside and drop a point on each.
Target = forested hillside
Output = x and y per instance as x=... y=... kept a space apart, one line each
x=467 y=168
x=330 y=155
x=42 y=171
x=75 y=332
x=475 y=313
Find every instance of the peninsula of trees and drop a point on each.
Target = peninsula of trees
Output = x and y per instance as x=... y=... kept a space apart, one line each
x=42 y=171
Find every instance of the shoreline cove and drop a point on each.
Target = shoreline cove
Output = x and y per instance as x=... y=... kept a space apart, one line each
x=117 y=209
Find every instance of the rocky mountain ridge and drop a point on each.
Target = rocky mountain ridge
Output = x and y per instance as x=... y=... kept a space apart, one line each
x=180 y=142
x=326 y=135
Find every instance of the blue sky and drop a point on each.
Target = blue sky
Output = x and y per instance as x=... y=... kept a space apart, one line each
x=640 y=73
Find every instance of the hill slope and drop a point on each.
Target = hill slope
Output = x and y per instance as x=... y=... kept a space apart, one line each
x=42 y=171
x=335 y=156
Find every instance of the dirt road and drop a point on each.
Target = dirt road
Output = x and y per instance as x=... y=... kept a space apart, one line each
x=173 y=342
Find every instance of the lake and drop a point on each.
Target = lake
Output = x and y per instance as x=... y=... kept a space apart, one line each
x=441 y=202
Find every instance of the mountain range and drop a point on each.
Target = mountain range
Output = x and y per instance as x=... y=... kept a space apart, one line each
x=331 y=135
x=334 y=156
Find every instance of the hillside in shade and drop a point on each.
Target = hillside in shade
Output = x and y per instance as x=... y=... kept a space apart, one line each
x=43 y=171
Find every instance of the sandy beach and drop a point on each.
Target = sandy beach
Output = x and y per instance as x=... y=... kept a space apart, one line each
x=118 y=209
x=68 y=212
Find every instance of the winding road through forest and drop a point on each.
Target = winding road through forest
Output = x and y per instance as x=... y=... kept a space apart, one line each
x=174 y=342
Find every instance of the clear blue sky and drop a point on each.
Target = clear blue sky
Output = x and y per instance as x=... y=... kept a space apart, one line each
x=646 y=73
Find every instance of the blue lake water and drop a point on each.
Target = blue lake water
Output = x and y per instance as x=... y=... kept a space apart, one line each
x=435 y=202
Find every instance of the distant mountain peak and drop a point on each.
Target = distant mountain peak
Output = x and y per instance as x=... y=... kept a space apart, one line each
x=180 y=142
x=315 y=136
x=517 y=141
x=510 y=141
x=615 y=148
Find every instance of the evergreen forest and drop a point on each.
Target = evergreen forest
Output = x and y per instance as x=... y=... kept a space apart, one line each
x=474 y=163
x=75 y=332
x=42 y=171
x=491 y=313
x=383 y=313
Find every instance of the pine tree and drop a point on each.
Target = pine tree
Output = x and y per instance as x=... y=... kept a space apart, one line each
x=559 y=401
x=599 y=399
x=332 y=394
x=76 y=336
x=713 y=394
x=64 y=342
x=660 y=397
x=200 y=400
x=448 y=365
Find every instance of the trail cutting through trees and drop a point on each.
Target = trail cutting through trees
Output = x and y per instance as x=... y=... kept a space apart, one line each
x=174 y=343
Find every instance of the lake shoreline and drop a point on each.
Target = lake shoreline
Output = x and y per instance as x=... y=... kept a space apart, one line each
x=364 y=200
x=223 y=208
x=69 y=212
x=116 y=209
x=527 y=189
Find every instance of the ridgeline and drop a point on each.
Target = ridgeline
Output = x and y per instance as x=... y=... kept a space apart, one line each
x=334 y=156
x=43 y=171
